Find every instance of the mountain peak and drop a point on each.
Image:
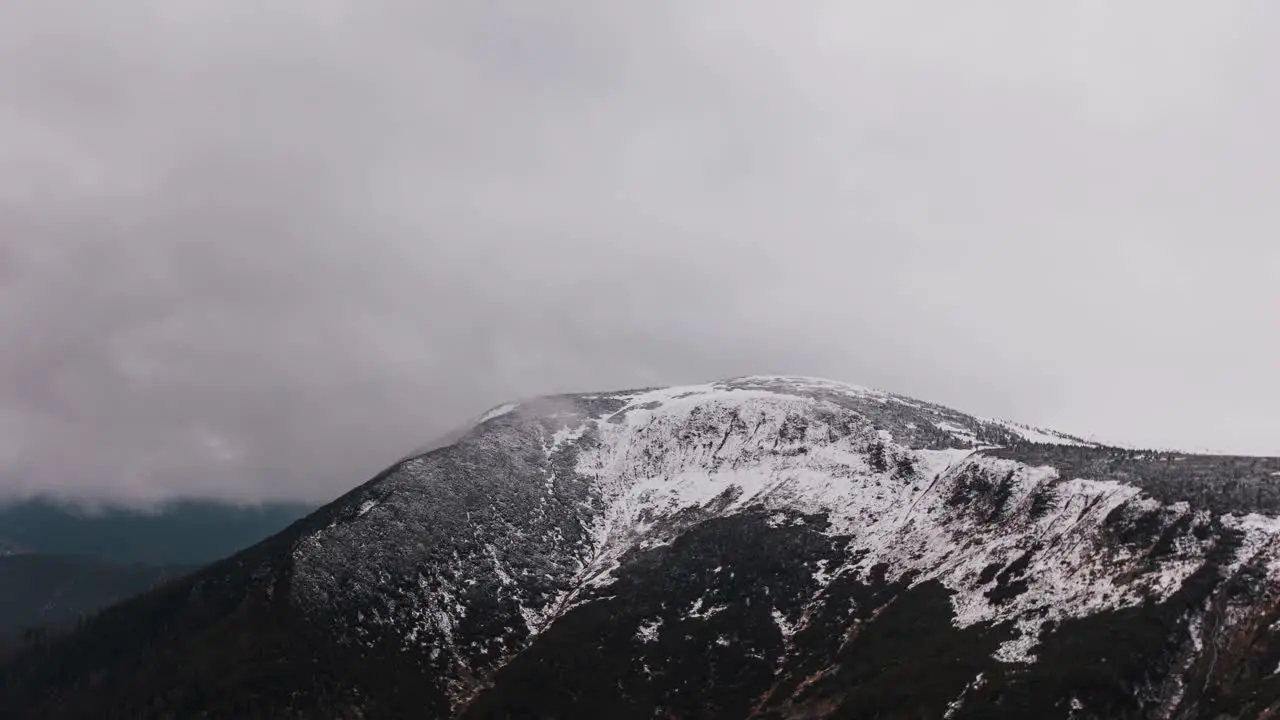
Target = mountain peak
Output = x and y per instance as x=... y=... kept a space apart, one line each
x=915 y=422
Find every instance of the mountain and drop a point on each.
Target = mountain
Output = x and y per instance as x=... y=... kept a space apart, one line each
x=762 y=547
x=183 y=532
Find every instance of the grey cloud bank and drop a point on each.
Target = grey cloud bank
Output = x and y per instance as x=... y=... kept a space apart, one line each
x=259 y=250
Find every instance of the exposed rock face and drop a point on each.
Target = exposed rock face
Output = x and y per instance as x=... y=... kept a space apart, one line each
x=762 y=547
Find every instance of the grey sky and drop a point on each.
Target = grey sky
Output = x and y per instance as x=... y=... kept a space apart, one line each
x=261 y=249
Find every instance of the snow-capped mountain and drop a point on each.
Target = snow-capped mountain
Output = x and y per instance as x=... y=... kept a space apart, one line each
x=760 y=547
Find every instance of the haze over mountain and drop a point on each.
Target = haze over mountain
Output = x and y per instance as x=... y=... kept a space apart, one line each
x=767 y=547
x=250 y=252
x=255 y=252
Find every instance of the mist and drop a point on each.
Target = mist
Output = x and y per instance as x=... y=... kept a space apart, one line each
x=259 y=251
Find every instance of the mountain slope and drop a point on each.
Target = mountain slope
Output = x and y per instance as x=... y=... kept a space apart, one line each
x=761 y=547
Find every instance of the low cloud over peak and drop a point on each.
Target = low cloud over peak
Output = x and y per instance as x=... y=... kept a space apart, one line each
x=258 y=252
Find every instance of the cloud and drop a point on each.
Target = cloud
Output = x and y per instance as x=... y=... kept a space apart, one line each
x=258 y=250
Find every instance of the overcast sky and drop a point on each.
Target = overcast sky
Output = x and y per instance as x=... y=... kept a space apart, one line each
x=261 y=249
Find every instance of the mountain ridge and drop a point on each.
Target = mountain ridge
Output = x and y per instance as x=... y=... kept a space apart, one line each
x=747 y=548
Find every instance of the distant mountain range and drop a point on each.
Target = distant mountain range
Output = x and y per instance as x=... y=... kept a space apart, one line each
x=763 y=547
x=43 y=590
x=59 y=562
x=183 y=532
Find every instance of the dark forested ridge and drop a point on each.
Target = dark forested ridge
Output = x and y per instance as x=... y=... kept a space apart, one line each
x=57 y=589
x=751 y=549
x=1219 y=483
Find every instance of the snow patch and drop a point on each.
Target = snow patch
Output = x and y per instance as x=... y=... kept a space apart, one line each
x=1195 y=628
x=787 y=628
x=954 y=706
x=648 y=631
x=697 y=613
x=800 y=382
x=1259 y=545
x=1037 y=435
x=497 y=413
x=959 y=433
x=566 y=435
x=822 y=576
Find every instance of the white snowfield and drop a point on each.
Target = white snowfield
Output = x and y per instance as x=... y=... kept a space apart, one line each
x=647 y=471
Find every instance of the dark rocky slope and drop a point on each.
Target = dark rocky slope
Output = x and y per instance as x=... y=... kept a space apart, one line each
x=763 y=547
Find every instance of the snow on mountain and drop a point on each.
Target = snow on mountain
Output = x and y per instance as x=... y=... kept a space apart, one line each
x=782 y=547
x=909 y=483
x=1040 y=435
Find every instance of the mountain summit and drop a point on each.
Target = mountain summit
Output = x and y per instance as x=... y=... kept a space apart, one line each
x=763 y=547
